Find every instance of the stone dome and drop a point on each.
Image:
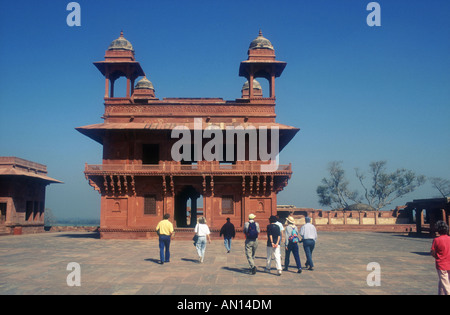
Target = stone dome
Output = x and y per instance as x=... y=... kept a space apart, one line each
x=256 y=85
x=261 y=42
x=121 y=44
x=144 y=83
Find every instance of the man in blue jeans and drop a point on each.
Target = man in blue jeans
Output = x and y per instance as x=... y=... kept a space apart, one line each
x=165 y=232
x=228 y=233
x=309 y=236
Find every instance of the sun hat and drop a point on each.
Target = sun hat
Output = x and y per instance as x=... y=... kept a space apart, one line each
x=251 y=216
x=290 y=219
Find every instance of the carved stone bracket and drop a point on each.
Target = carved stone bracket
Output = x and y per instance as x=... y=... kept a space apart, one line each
x=105 y=183
x=111 y=177
x=133 y=186
x=164 y=185
x=204 y=185
x=125 y=184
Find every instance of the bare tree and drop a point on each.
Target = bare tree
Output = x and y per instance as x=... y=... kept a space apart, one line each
x=386 y=187
x=382 y=190
x=442 y=185
x=334 y=191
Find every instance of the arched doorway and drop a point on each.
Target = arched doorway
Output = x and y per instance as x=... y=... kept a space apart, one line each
x=186 y=199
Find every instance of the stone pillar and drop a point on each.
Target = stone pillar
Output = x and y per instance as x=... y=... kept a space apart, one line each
x=106 y=87
x=111 y=93
x=272 y=86
x=250 y=86
x=419 y=220
x=128 y=87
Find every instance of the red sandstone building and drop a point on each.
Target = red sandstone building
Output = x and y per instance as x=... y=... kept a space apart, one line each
x=22 y=195
x=140 y=180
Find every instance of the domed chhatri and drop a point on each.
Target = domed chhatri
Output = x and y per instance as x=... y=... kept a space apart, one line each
x=261 y=42
x=144 y=84
x=261 y=63
x=256 y=85
x=121 y=44
x=257 y=89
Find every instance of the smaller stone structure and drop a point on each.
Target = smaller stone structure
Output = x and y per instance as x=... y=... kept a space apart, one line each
x=435 y=209
x=22 y=195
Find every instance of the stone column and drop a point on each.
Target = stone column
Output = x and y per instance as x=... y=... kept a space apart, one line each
x=272 y=86
x=419 y=220
x=250 y=86
x=106 y=87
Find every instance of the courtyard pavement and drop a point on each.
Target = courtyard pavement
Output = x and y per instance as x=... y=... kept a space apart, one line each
x=37 y=265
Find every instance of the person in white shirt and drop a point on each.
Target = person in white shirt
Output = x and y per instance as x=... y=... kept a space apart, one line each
x=202 y=231
x=280 y=225
x=308 y=233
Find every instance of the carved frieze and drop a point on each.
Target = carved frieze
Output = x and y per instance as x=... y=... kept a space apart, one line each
x=189 y=110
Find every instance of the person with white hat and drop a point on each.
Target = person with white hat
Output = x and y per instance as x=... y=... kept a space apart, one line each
x=251 y=231
x=291 y=242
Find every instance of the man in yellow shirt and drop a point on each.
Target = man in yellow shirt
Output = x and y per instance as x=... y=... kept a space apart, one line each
x=165 y=232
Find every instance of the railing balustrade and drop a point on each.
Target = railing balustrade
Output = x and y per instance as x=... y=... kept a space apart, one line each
x=182 y=168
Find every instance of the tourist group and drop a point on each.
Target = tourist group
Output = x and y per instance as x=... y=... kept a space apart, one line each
x=277 y=236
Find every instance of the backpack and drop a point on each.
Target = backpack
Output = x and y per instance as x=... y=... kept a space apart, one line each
x=252 y=232
x=294 y=236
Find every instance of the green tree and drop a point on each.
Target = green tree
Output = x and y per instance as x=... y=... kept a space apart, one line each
x=334 y=190
x=380 y=188
x=386 y=187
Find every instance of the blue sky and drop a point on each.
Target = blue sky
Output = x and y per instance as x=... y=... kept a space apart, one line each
x=358 y=93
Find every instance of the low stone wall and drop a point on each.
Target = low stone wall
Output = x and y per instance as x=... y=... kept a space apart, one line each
x=333 y=220
x=22 y=229
x=62 y=228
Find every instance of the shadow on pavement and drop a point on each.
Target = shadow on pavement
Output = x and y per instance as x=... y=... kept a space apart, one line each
x=93 y=235
x=239 y=270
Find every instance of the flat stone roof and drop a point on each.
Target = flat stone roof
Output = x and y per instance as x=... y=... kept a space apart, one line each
x=14 y=166
x=37 y=264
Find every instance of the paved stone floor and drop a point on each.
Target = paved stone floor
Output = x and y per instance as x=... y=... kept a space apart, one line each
x=37 y=264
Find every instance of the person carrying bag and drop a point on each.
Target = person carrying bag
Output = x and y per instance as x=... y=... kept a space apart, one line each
x=291 y=243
